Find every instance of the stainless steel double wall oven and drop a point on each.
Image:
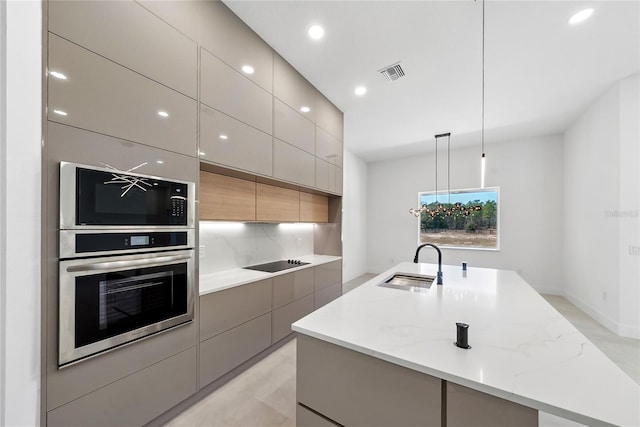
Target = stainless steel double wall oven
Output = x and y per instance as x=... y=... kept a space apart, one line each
x=126 y=258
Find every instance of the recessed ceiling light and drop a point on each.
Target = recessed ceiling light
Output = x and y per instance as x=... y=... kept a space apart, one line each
x=223 y=136
x=163 y=114
x=202 y=153
x=305 y=109
x=580 y=16
x=60 y=112
x=58 y=75
x=316 y=32
x=360 y=90
x=248 y=69
x=159 y=162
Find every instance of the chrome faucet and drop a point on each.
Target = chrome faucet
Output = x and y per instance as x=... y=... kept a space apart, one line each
x=415 y=259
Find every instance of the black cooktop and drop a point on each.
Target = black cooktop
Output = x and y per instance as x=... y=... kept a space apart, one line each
x=272 y=267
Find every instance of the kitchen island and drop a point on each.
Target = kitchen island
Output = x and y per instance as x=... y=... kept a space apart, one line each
x=377 y=356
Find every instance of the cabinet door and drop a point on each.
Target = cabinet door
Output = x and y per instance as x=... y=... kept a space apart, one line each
x=329 y=117
x=226 y=90
x=102 y=96
x=326 y=295
x=143 y=42
x=276 y=204
x=222 y=353
x=314 y=207
x=292 y=286
x=227 y=141
x=325 y=176
x=328 y=148
x=283 y=317
x=328 y=274
x=290 y=126
x=226 y=198
x=307 y=418
x=223 y=310
x=292 y=88
x=339 y=180
x=292 y=164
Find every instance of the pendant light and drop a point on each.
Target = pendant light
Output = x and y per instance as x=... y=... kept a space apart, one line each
x=483 y=159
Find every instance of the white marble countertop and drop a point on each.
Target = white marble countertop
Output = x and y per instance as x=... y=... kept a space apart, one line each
x=239 y=276
x=523 y=350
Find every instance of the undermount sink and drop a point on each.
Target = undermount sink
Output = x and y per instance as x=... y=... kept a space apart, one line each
x=409 y=282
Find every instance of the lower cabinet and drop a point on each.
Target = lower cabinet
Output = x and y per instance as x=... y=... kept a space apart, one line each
x=284 y=316
x=327 y=283
x=222 y=353
x=133 y=400
x=308 y=418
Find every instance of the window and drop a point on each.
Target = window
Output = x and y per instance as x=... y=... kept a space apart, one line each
x=467 y=219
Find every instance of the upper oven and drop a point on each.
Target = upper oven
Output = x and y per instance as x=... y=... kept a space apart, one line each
x=106 y=198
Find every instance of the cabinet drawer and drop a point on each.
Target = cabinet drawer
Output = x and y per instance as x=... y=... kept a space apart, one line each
x=102 y=96
x=328 y=274
x=226 y=90
x=329 y=117
x=292 y=88
x=328 y=148
x=223 y=310
x=306 y=418
x=142 y=42
x=283 y=317
x=134 y=400
x=290 y=287
x=326 y=295
x=230 y=142
x=290 y=126
x=292 y=164
x=222 y=353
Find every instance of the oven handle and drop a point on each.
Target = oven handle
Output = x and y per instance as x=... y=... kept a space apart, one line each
x=120 y=264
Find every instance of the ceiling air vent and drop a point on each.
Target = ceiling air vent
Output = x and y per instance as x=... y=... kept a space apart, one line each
x=392 y=72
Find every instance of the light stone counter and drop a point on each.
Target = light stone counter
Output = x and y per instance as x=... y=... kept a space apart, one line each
x=239 y=276
x=523 y=350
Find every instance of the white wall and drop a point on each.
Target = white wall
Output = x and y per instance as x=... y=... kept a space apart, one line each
x=229 y=245
x=20 y=174
x=354 y=217
x=601 y=209
x=529 y=175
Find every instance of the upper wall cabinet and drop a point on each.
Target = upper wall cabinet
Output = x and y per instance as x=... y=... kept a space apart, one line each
x=130 y=35
x=294 y=90
x=292 y=164
x=292 y=127
x=222 y=33
x=230 y=92
x=102 y=96
x=229 y=142
x=328 y=117
x=328 y=148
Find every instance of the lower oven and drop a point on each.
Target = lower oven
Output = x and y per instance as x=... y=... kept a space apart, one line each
x=110 y=301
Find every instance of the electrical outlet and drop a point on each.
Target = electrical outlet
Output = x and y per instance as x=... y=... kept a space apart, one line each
x=202 y=251
x=604 y=295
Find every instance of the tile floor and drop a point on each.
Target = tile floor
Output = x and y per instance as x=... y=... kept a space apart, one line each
x=264 y=395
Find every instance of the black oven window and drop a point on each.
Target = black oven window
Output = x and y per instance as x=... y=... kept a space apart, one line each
x=110 y=304
x=105 y=198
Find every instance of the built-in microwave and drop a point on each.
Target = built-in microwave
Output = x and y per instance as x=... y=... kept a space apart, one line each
x=95 y=197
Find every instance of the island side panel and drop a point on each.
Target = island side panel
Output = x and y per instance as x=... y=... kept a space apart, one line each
x=352 y=388
x=467 y=407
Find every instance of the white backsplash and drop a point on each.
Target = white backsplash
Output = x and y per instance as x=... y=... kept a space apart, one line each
x=229 y=245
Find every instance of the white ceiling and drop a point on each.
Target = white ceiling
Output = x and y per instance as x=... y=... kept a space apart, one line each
x=540 y=72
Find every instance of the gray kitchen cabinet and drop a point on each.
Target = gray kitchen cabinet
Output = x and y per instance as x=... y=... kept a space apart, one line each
x=230 y=142
x=352 y=388
x=326 y=295
x=293 y=164
x=328 y=274
x=339 y=180
x=307 y=418
x=292 y=286
x=329 y=117
x=225 y=89
x=328 y=148
x=325 y=176
x=102 y=96
x=226 y=309
x=133 y=400
x=222 y=353
x=283 y=317
x=143 y=42
x=292 y=127
x=292 y=88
